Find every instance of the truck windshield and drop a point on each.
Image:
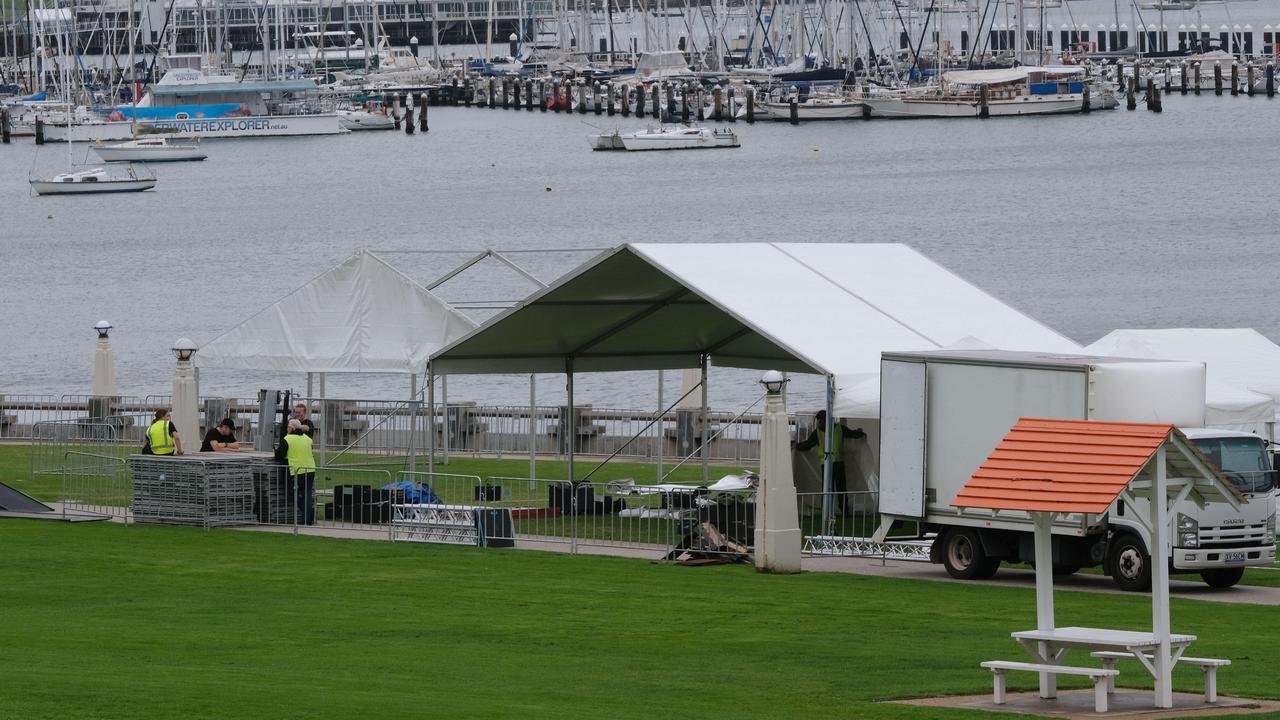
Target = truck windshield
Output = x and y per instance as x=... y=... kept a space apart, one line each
x=1243 y=460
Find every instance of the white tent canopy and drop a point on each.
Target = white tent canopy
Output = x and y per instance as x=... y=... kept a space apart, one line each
x=825 y=308
x=361 y=316
x=1242 y=366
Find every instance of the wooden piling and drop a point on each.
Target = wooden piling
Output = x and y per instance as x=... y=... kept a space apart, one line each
x=515 y=94
x=984 y=104
x=671 y=100
x=657 y=106
x=624 y=100
x=639 y=101
x=453 y=92
x=1084 y=104
x=717 y=109
x=1131 y=95
x=1251 y=78
x=1182 y=79
x=733 y=106
x=610 y=94
x=493 y=96
x=1235 y=78
x=1197 y=70
x=6 y=130
x=555 y=96
x=582 y=98
x=1151 y=94
x=1271 y=79
x=467 y=94
x=395 y=108
x=1157 y=105
x=422 y=112
x=1120 y=74
x=506 y=97
x=39 y=131
x=542 y=96
x=1168 y=77
x=793 y=106
x=701 y=101
x=596 y=106
x=751 y=104
x=408 y=119
x=684 y=103
x=1217 y=77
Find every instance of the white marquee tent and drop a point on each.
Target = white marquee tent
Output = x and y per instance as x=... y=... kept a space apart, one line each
x=823 y=308
x=1242 y=366
x=361 y=316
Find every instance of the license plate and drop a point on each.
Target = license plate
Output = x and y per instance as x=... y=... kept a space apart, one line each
x=1235 y=557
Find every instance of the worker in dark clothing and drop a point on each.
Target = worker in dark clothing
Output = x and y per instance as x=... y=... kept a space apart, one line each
x=817 y=442
x=295 y=451
x=221 y=438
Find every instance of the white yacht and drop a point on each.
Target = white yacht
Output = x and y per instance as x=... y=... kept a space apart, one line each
x=679 y=138
x=1008 y=92
x=151 y=149
x=92 y=180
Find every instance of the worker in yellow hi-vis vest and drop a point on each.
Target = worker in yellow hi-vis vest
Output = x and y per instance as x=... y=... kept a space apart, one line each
x=162 y=436
x=295 y=450
x=817 y=441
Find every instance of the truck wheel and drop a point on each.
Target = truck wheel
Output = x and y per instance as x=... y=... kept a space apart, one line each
x=1129 y=565
x=1222 y=577
x=964 y=558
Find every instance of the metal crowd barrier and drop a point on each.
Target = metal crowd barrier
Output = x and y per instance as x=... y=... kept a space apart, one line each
x=94 y=483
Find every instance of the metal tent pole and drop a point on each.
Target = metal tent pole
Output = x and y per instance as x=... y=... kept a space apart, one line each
x=413 y=422
x=828 y=484
x=662 y=436
x=444 y=404
x=431 y=419
x=533 y=430
x=568 y=425
x=705 y=425
x=1159 y=553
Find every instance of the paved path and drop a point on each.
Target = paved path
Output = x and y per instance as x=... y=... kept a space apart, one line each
x=1016 y=577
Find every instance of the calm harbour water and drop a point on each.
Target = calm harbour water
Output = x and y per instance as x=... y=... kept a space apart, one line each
x=1088 y=223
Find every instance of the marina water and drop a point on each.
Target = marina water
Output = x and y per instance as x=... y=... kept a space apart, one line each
x=1088 y=223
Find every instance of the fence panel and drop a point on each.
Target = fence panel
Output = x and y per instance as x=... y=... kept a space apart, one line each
x=94 y=483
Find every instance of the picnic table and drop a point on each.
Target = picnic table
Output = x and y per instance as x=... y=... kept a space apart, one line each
x=1048 y=647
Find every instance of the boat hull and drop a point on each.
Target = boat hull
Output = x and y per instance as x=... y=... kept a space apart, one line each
x=268 y=126
x=944 y=108
x=45 y=187
x=357 y=122
x=150 y=155
x=635 y=144
x=833 y=111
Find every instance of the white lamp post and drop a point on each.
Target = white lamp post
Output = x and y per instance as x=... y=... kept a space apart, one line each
x=778 y=538
x=104 y=364
x=186 y=394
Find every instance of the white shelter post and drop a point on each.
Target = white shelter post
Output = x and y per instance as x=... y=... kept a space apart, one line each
x=705 y=427
x=431 y=419
x=413 y=422
x=310 y=385
x=1044 y=592
x=1160 y=581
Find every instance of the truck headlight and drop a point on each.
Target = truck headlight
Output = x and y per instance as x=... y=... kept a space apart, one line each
x=1188 y=540
x=1187 y=524
x=1271 y=525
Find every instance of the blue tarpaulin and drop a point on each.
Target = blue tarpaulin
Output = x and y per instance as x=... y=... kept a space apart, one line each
x=415 y=493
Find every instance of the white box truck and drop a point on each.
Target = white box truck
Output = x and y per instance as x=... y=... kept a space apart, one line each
x=942 y=413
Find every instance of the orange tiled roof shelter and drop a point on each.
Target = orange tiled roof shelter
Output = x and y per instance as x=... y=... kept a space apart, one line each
x=1065 y=466
x=1049 y=468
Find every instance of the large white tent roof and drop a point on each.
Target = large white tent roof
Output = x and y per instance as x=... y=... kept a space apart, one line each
x=826 y=308
x=1242 y=366
x=361 y=316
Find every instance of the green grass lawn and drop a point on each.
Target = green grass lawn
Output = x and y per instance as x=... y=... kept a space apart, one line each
x=108 y=621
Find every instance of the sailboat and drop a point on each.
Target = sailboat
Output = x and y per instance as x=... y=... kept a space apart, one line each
x=92 y=180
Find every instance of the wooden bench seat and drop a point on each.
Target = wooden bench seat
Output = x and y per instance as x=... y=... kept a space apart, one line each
x=1208 y=666
x=1099 y=676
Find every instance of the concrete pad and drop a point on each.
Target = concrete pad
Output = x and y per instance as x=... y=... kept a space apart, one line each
x=1079 y=704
